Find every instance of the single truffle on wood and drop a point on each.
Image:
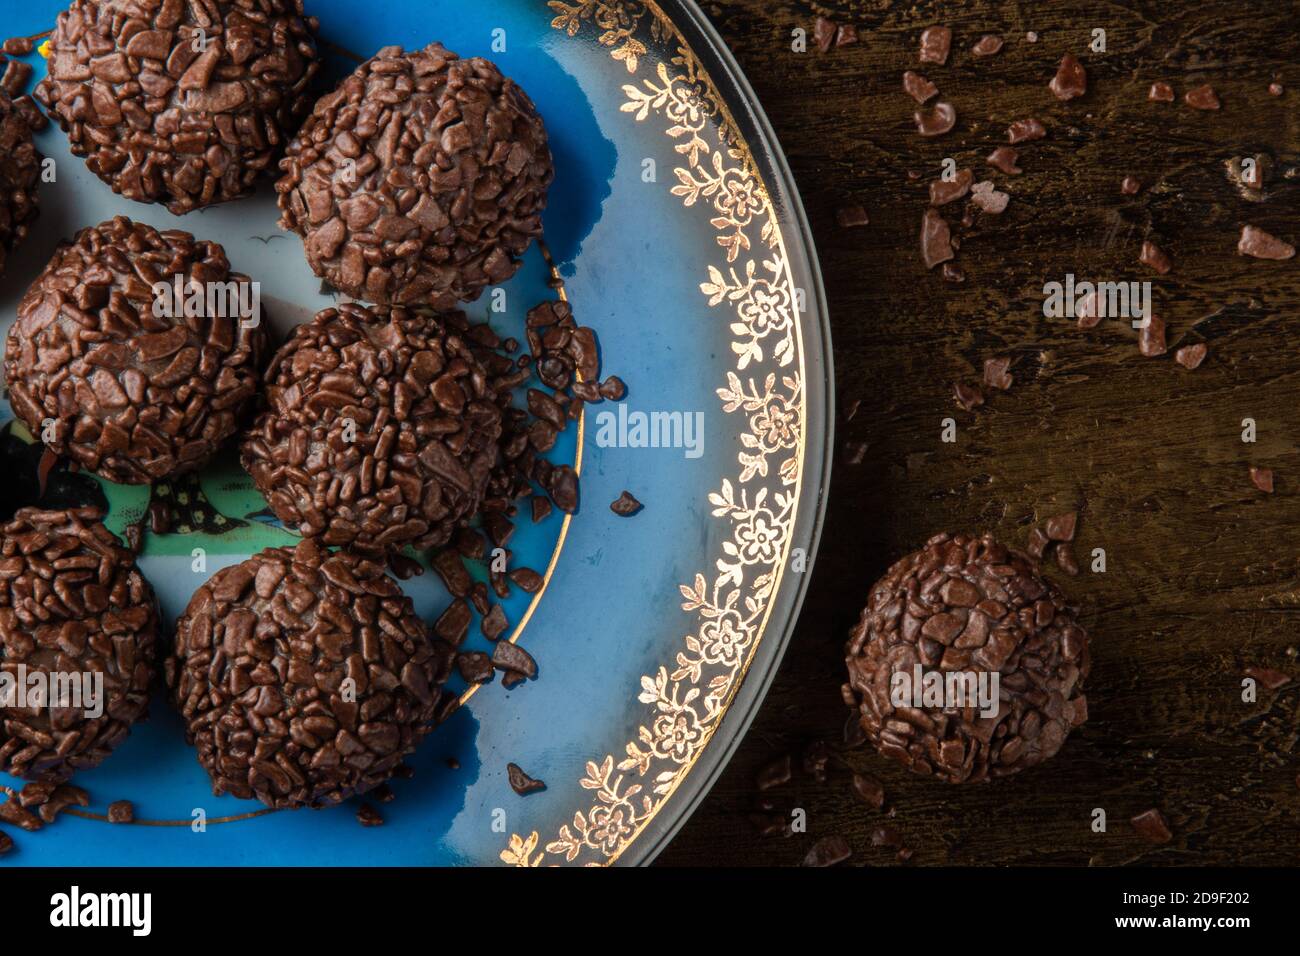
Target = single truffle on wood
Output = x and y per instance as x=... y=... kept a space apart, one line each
x=180 y=102
x=381 y=430
x=419 y=181
x=20 y=166
x=304 y=677
x=131 y=382
x=72 y=605
x=965 y=608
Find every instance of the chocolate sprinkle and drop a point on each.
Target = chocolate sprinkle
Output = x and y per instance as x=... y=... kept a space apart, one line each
x=851 y=217
x=936 y=121
x=918 y=87
x=1155 y=257
x=1151 y=826
x=1202 y=98
x=1004 y=158
x=1191 y=356
x=368 y=816
x=1257 y=243
x=520 y=782
x=1025 y=130
x=1161 y=92
x=828 y=851
x=1071 y=79
x=1262 y=478
x=626 y=505
x=935 y=44
x=997 y=373
x=987 y=45
x=936 y=239
x=121 y=811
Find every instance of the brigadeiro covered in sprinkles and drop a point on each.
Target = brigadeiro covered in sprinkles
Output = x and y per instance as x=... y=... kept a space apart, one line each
x=78 y=624
x=419 y=181
x=180 y=102
x=135 y=352
x=304 y=677
x=381 y=430
x=20 y=167
x=954 y=614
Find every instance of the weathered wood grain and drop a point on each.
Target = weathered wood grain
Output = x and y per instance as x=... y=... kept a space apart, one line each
x=1203 y=570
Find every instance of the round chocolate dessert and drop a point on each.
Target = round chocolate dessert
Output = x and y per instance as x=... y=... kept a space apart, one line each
x=20 y=167
x=304 y=677
x=77 y=629
x=966 y=663
x=381 y=430
x=132 y=354
x=419 y=181
x=181 y=102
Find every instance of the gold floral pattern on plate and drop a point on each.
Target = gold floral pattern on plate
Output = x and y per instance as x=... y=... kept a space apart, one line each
x=752 y=285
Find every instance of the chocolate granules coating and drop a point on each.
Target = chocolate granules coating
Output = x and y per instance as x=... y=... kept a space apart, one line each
x=262 y=656
x=180 y=102
x=71 y=601
x=133 y=396
x=969 y=604
x=419 y=181
x=381 y=430
x=20 y=166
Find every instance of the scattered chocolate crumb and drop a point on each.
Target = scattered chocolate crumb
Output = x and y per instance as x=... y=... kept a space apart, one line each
x=1071 y=79
x=1275 y=89
x=453 y=624
x=1262 y=478
x=453 y=763
x=1025 y=130
x=1089 y=311
x=1202 y=97
x=1161 y=92
x=18 y=46
x=918 y=87
x=953 y=272
x=12 y=811
x=1066 y=562
x=512 y=657
x=1191 y=356
x=63 y=797
x=475 y=667
x=494 y=623
x=769 y=824
x=510 y=678
x=541 y=508
x=1004 y=158
x=967 y=396
x=1151 y=338
x=775 y=774
x=121 y=811
x=368 y=816
x=1131 y=186
x=1268 y=678
x=1259 y=244
x=520 y=782
x=847 y=35
x=936 y=239
x=828 y=851
x=851 y=217
x=854 y=452
x=987 y=45
x=936 y=121
x=824 y=34
x=935 y=44
x=1155 y=257
x=526 y=579
x=1038 y=542
x=869 y=789
x=989 y=199
x=1151 y=826
x=626 y=505
x=886 y=836
x=16 y=75
x=904 y=854
x=944 y=191
x=1062 y=527
x=383 y=793
x=997 y=373
x=613 y=389
x=816 y=756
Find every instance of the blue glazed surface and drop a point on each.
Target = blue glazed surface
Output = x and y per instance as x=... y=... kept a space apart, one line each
x=632 y=260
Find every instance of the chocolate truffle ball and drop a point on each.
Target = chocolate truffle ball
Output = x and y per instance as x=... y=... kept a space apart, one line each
x=963 y=609
x=130 y=382
x=419 y=181
x=180 y=102
x=304 y=677
x=381 y=430
x=20 y=166
x=73 y=606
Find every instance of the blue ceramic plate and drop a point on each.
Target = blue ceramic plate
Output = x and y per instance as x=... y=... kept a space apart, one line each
x=677 y=235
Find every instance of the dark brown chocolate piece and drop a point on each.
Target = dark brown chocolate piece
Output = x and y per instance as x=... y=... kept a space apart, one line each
x=868 y=788
x=1191 y=356
x=1071 y=80
x=1004 y=158
x=1161 y=92
x=121 y=811
x=1151 y=826
x=1262 y=478
x=1130 y=186
x=943 y=191
x=520 y=782
x=1268 y=678
x=368 y=816
x=1151 y=338
x=626 y=505
x=1062 y=527
x=777 y=773
x=850 y=217
x=475 y=667
x=1258 y=244
x=828 y=851
x=20 y=167
x=304 y=677
x=918 y=87
x=935 y=121
x=846 y=35
x=1025 y=130
x=935 y=44
x=1155 y=257
x=936 y=239
x=987 y=45
x=968 y=397
x=512 y=657
x=823 y=34
x=1202 y=97
x=997 y=373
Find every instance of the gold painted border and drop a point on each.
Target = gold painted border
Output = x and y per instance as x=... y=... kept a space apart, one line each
x=690 y=101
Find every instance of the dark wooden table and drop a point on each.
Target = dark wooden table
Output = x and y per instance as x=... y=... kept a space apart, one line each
x=1203 y=570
